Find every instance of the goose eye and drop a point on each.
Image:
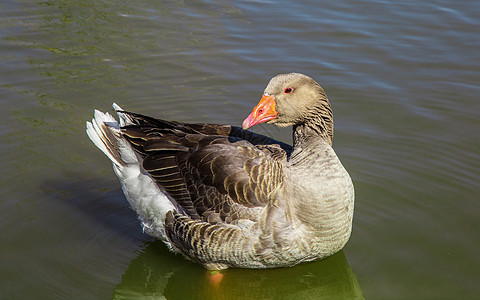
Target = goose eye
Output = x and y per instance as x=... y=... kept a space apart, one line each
x=288 y=90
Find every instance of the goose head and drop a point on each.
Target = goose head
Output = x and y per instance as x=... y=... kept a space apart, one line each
x=294 y=99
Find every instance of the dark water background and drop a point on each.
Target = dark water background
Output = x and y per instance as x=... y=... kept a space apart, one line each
x=403 y=78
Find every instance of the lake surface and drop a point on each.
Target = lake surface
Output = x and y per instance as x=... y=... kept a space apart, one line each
x=403 y=79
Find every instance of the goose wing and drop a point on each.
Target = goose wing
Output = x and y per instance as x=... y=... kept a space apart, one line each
x=216 y=173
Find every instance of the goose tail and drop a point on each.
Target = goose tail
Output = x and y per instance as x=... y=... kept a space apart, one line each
x=149 y=200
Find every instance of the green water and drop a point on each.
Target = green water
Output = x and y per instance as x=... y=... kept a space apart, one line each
x=403 y=79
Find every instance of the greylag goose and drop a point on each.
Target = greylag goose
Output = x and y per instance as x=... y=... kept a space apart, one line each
x=226 y=197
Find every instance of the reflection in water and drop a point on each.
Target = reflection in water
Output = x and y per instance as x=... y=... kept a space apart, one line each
x=152 y=276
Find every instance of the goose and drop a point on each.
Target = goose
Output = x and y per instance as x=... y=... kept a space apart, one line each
x=223 y=196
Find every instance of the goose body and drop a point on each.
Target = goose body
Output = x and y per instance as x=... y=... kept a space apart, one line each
x=226 y=197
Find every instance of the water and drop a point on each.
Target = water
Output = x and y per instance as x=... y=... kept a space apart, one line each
x=403 y=78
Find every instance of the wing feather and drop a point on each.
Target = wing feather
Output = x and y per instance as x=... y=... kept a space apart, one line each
x=215 y=172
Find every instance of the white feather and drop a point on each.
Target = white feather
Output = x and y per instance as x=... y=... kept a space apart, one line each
x=144 y=196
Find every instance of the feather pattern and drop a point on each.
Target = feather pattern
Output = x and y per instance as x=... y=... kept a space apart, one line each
x=227 y=197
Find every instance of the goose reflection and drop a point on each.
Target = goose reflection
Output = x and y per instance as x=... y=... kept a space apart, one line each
x=158 y=274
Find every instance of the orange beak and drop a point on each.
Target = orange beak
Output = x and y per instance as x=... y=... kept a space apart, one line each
x=263 y=112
